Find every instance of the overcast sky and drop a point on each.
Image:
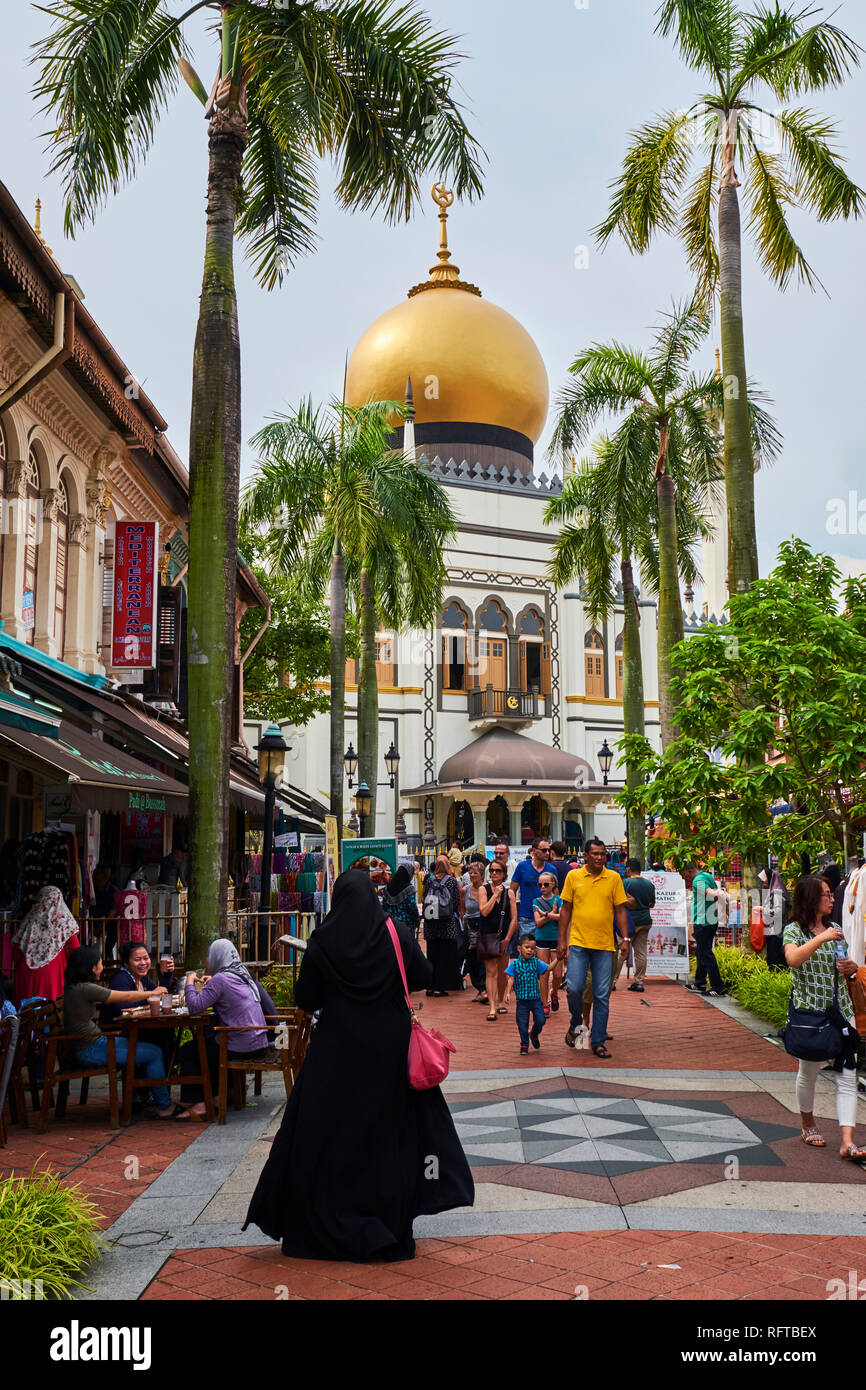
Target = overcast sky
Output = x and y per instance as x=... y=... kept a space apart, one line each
x=552 y=91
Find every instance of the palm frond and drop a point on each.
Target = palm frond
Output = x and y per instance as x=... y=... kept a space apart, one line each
x=645 y=196
x=107 y=70
x=706 y=33
x=819 y=180
x=791 y=58
x=768 y=194
x=698 y=233
x=279 y=192
x=608 y=378
x=680 y=334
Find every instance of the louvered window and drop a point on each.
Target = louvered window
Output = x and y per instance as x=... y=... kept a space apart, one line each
x=62 y=562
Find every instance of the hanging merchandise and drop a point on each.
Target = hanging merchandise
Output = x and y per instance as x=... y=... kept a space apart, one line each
x=131 y=907
x=49 y=859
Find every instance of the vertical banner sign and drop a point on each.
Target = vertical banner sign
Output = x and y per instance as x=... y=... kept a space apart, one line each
x=133 y=625
x=332 y=852
x=667 y=940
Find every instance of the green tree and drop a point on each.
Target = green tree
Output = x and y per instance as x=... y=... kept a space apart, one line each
x=789 y=159
x=772 y=707
x=669 y=442
x=343 y=509
x=362 y=83
x=286 y=670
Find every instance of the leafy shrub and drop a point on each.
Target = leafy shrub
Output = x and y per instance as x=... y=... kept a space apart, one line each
x=47 y=1232
x=749 y=979
x=280 y=985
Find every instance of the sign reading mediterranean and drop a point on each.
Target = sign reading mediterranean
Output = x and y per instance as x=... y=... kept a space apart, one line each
x=667 y=939
x=133 y=625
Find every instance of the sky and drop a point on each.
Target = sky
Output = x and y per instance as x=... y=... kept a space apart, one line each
x=551 y=91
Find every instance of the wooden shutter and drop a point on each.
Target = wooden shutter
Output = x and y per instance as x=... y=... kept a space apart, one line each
x=546 y=677
x=351 y=672
x=107 y=597
x=469 y=670
x=521 y=650
x=446 y=670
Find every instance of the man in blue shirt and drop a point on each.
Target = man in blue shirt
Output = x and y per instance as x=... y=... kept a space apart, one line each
x=524 y=881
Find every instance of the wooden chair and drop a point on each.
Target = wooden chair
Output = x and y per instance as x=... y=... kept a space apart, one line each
x=8 y=1048
x=287 y=1060
x=61 y=1067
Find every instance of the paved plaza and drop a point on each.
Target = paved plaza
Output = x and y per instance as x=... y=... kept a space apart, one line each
x=674 y=1170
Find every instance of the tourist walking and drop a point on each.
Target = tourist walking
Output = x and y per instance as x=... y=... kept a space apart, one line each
x=640 y=900
x=502 y=855
x=524 y=972
x=546 y=909
x=524 y=882
x=591 y=897
x=815 y=973
x=472 y=924
x=441 y=900
x=499 y=914
x=350 y=1168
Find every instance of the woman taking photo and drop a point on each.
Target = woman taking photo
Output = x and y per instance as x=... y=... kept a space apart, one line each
x=350 y=1168
x=498 y=924
x=817 y=980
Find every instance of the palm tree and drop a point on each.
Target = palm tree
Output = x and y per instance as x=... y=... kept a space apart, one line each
x=360 y=82
x=344 y=508
x=790 y=161
x=669 y=439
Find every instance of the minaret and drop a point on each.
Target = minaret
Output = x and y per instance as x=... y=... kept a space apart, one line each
x=409 y=424
x=714 y=552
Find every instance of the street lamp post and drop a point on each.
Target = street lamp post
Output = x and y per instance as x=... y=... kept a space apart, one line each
x=362 y=801
x=350 y=761
x=605 y=758
x=272 y=752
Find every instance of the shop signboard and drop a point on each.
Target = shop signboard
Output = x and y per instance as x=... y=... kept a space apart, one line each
x=28 y=609
x=667 y=939
x=133 y=616
x=370 y=849
x=332 y=850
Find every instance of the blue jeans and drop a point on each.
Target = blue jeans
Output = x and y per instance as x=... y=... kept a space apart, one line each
x=599 y=964
x=147 y=1055
x=526 y=1008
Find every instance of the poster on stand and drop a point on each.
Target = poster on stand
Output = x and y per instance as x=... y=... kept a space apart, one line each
x=386 y=850
x=667 y=940
x=332 y=853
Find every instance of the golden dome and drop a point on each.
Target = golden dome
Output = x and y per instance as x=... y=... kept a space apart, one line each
x=470 y=361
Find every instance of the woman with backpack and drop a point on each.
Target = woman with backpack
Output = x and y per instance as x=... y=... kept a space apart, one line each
x=441 y=899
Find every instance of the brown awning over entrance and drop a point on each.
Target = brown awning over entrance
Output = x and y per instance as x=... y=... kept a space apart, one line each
x=98 y=776
x=504 y=760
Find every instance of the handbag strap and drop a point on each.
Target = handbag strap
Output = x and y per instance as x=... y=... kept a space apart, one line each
x=395 y=942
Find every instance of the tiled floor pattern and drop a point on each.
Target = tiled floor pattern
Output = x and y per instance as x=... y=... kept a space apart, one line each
x=619 y=1266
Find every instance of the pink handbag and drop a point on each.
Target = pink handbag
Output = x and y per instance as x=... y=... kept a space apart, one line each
x=429 y=1050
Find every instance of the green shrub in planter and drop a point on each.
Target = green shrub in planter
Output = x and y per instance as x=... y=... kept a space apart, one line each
x=748 y=978
x=280 y=985
x=48 y=1233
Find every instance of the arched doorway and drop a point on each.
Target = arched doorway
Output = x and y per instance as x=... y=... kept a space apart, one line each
x=493 y=646
x=461 y=825
x=573 y=828
x=534 y=819
x=498 y=819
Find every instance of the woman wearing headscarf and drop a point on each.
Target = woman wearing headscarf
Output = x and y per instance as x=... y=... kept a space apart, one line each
x=442 y=900
x=42 y=945
x=399 y=900
x=238 y=1001
x=359 y=1154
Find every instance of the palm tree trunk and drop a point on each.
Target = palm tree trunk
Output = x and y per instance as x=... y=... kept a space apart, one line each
x=368 y=698
x=632 y=696
x=739 y=461
x=338 y=683
x=214 y=452
x=670 y=630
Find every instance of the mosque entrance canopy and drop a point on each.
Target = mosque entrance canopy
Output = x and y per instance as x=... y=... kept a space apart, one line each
x=501 y=760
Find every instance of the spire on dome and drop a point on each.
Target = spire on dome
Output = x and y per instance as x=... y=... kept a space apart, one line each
x=443 y=275
x=37 y=226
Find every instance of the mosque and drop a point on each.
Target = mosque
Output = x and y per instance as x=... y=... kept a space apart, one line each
x=503 y=714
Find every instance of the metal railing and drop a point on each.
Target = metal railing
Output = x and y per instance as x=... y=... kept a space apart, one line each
x=502 y=704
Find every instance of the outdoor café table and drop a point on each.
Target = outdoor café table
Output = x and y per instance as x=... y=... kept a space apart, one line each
x=135 y=1021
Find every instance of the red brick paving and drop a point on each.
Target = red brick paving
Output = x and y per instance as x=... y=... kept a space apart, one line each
x=605 y=1265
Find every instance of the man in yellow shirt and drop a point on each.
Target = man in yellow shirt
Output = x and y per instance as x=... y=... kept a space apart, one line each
x=591 y=897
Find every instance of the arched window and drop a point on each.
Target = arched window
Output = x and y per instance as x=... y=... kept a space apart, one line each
x=60 y=572
x=534 y=653
x=456 y=642
x=593 y=655
x=31 y=546
x=493 y=646
x=386 y=666
x=618 y=661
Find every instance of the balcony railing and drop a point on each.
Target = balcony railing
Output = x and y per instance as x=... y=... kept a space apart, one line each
x=503 y=704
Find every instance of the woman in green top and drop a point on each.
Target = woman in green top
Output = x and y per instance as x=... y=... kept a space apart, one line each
x=815 y=973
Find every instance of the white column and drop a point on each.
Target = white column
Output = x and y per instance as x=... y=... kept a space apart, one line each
x=13 y=550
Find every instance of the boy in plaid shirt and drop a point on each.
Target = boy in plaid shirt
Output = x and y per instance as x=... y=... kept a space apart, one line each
x=523 y=973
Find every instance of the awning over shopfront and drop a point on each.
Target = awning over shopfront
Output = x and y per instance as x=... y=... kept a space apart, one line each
x=97 y=776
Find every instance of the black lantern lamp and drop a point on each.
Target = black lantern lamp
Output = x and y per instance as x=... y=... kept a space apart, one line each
x=350 y=761
x=392 y=762
x=362 y=802
x=605 y=758
x=272 y=752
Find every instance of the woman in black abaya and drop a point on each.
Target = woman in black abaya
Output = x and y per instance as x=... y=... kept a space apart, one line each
x=359 y=1154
